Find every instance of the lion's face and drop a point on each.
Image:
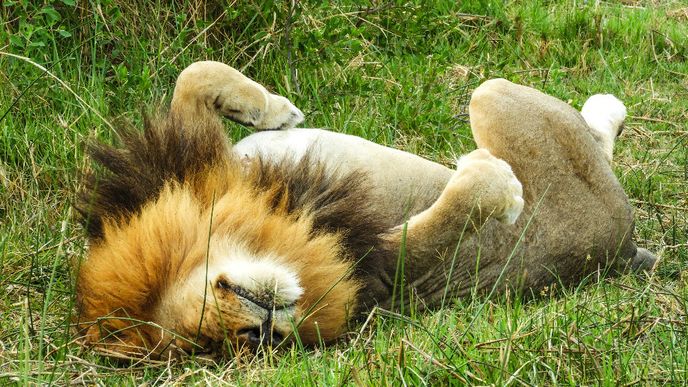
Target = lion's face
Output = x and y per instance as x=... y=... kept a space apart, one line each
x=205 y=278
x=240 y=297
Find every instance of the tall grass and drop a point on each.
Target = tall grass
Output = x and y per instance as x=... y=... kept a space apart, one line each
x=398 y=73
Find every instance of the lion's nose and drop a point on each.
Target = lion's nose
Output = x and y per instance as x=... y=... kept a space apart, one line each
x=255 y=336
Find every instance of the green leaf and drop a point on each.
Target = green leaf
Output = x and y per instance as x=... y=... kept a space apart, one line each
x=121 y=72
x=16 y=41
x=51 y=13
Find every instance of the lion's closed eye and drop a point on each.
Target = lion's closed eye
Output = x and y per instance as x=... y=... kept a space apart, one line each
x=223 y=284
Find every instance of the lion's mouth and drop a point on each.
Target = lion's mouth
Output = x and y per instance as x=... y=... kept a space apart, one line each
x=267 y=306
x=265 y=335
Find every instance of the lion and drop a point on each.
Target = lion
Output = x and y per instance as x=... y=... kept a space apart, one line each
x=200 y=246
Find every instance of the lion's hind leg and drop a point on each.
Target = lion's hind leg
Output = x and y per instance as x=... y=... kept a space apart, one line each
x=581 y=217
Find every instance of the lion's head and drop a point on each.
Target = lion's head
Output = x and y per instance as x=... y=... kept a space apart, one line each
x=186 y=274
x=192 y=248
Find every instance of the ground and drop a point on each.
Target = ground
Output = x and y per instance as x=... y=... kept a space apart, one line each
x=398 y=73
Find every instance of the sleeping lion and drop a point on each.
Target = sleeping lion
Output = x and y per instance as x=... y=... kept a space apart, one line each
x=200 y=246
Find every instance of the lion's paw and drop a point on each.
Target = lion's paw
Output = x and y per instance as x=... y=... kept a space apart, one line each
x=499 y=191
x=605 y=115
x=255 y=107
x=226 y=91
x=283 y=114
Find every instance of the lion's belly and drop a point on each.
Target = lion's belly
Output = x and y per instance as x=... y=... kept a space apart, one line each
x=402 y=183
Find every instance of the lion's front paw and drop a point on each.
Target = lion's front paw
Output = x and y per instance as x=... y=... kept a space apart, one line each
x=497 y=190
x=281 y=114
x=218 y=88
x=251 y=105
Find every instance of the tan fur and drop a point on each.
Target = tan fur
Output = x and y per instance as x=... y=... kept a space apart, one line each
x=162 y=256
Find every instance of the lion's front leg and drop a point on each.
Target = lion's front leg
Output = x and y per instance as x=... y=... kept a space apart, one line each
x=482 y=187
x=213 y=88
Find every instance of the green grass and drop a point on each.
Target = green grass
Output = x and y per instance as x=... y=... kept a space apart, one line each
x=398 y=73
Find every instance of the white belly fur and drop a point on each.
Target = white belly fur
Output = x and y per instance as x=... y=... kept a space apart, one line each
x=396 y=177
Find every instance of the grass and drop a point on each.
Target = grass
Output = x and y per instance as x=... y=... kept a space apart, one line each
x=398 y=73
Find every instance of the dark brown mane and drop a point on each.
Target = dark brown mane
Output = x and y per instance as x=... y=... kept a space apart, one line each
x=338 y=203
x=134 y=173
